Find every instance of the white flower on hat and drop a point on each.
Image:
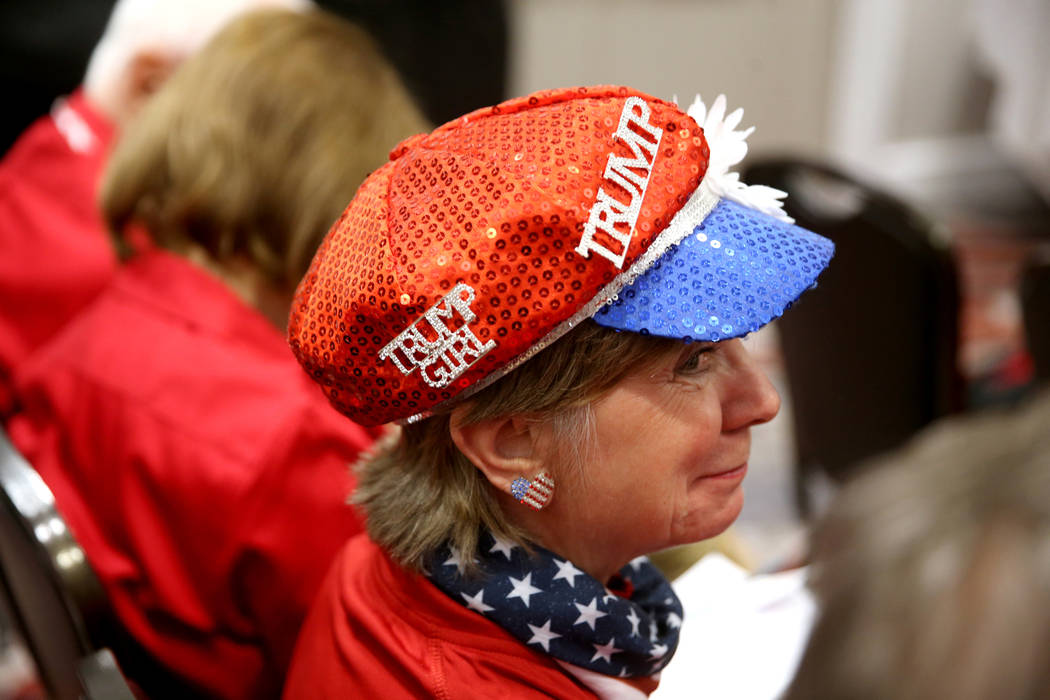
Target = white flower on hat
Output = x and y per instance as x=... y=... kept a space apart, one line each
x=728 y=147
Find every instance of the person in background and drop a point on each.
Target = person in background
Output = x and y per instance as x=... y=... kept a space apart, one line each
x=204 y=475
x=45 y=46
x=550 y=294
x=932 y=569
x=56 y=254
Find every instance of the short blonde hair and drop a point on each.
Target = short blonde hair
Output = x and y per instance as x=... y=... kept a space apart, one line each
x=933 y=569
x=257 y=143
x=420 y=492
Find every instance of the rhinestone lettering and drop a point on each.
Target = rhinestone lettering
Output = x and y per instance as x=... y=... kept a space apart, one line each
x=441 y=354
x=610 y=216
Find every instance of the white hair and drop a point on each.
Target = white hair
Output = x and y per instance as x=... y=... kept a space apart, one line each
x=174 y=29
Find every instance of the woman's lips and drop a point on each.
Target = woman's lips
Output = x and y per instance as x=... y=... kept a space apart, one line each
x=734 y=473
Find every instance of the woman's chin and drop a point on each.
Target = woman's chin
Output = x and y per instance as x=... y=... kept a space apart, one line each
x=707 y=521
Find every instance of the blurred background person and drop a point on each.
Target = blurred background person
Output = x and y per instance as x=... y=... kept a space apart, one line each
x=45 y=45
x=55 y=253
x=933 y=569
x=203 y=473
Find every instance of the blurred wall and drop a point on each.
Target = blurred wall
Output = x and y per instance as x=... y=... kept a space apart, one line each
x=909 y=103
x=771 y=57
x=942 y=89
x=891 y=89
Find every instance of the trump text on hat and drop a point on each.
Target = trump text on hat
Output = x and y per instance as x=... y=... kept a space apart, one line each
x=611 y=219
x=442 y=354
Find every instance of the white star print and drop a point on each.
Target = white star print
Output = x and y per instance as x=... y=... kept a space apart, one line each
x=523 y=589
x=456 y=560
x=502 y=546
x=566 y=571
x=543 y=635
x=659 y=651
x=634 y=620
x=589 y=613
x=674 y=620
x=637 y=562
x=609 y=595
x=605 y=651
x=475 y=602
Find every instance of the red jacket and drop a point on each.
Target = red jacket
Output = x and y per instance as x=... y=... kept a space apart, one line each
x=377 y=631
x=203 y=472
x=55 y=255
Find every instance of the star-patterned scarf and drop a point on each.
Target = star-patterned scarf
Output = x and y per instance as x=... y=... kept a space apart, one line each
x=549 y=604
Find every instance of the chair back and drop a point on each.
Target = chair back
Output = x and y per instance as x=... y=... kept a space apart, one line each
x=870 y=354
x=51 y=591
x=1035 y=309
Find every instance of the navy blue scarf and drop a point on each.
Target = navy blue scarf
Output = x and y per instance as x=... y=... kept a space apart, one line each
x=552 y=606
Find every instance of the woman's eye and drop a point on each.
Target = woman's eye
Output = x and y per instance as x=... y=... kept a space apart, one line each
x=694 y=361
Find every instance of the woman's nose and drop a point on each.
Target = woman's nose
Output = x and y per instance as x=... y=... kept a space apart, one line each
x=751 y=398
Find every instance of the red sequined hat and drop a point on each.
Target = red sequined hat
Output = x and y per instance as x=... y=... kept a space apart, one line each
x=481 y=243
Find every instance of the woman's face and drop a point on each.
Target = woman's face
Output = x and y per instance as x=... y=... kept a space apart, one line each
x=672 y=444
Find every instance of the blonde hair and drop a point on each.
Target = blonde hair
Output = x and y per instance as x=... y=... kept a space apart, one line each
x=257 y=143
x=933 y=571
x=420 y=492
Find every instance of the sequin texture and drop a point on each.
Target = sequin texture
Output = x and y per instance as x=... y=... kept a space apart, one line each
x=737 y=271
x=496 y=200
x=483 y=242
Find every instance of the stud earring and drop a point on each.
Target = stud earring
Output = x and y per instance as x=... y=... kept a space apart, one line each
x=536 y=493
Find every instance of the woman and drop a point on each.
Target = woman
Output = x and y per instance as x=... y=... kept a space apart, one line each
x=204 y=475
x=49 y=178
x=598 y=232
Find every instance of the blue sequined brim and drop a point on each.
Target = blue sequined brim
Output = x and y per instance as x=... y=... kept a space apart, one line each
x=735 y=272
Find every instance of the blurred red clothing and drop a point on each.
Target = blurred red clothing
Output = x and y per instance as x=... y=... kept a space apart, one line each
x=377 y=631
x=56 y=255
x=203 y=472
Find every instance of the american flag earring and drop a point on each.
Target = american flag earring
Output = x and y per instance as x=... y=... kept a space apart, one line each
x=536 y=493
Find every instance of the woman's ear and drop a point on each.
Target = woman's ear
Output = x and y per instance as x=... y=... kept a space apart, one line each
x=503 y=448
x=146 y=73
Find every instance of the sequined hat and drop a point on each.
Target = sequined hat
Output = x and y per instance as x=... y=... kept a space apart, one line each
x=483 y=242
